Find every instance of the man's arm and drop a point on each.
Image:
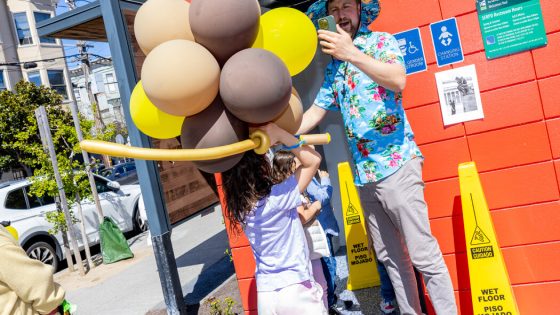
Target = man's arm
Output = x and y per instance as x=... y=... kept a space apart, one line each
x=340 y=46
x=311 y=118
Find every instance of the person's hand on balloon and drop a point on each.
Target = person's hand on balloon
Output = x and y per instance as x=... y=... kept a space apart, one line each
x=339 y=45
x=278 y=135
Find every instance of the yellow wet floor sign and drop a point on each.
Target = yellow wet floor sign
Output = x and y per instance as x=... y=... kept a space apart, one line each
x=490 y=286
x=362 y=267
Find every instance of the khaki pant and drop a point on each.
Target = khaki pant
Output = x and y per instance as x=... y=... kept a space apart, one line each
x=398 y=224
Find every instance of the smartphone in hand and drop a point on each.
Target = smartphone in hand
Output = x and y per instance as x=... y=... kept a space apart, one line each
x=327 y=23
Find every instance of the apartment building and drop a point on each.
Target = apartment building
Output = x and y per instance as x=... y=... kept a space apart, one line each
x=20 y=43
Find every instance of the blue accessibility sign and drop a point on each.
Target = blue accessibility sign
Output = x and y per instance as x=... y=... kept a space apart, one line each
x=447 y=42
x=410 y=43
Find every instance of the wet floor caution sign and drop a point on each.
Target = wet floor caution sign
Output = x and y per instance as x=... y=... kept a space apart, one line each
x=490 y=286
x=362 y=267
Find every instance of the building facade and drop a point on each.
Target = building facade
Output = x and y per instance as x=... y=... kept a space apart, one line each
x=105 y=91
x=20 y=43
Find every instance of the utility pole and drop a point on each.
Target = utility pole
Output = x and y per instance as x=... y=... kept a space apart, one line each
x=86 y=70
x=45 y=132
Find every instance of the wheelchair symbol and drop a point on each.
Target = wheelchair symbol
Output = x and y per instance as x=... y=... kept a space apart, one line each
x=411 y=48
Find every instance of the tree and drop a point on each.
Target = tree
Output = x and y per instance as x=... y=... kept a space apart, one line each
x=21 y=146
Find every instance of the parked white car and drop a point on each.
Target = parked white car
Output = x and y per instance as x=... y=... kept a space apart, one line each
x=27 y=215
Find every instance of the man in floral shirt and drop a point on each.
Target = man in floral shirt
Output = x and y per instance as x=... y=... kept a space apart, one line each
x=364 y=82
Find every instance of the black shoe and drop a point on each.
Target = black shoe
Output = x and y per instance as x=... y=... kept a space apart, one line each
x=333 y=310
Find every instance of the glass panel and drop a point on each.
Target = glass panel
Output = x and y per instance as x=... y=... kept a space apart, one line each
x=35 y=201
x=101 y=185
x=56 y=80
x=16 y=200
x=22 y=29
x=2 y=81
x=34 y=77
x=39 y=17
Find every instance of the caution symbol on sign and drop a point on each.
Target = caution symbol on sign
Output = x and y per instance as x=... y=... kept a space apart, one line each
x=478 y=237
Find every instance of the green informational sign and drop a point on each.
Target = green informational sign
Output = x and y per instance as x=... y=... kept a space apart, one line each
x=510 y=26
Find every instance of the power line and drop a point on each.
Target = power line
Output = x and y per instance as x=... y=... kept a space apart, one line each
x=19 y=63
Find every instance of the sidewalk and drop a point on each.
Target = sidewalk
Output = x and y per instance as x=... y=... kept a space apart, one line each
x=133 y=286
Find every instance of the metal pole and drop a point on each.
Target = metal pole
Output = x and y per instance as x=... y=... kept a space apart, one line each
x=44 y=130
x=85 y=155
x=148 y=175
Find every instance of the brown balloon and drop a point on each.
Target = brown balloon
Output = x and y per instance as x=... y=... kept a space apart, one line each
x=290 y=120
x=214 y=127
x=225 y=27
x=255 y=85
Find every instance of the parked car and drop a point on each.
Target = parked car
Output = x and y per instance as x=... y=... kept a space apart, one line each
x=124 y=173
x=27 y=215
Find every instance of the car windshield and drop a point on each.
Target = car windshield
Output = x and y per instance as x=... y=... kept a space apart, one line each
x=106 y=172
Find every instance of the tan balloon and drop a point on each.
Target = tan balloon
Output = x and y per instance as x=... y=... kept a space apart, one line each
x=290 y=120
x=159 y=21
x=181 y=77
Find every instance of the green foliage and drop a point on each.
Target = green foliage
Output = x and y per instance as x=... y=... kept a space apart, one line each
x=21 y=146
x=56 y=218
x=218 y=307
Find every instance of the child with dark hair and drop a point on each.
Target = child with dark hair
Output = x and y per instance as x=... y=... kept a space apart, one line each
x=267 y=212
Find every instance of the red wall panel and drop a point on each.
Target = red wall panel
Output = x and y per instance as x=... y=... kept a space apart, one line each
x=554 y=134
x=546 y=58
x=550 y=9
x=244 y=262
x=469 y=29
x=501 y=72
x=442 y=158
x=421 y=88
x=550 y=94
x=400 y=15
x=510 y=147
x=451 y=8
x=427 y=123
x=520 y=185
x=508 y=106
x=443 y=198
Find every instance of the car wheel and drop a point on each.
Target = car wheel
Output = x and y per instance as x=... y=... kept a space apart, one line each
x=44 y=253
x=140 y=225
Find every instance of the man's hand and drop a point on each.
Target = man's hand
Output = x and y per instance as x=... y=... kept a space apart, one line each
x=339 y=45
x=323 y=174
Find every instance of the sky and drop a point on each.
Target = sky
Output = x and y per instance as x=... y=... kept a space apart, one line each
x=70 y=48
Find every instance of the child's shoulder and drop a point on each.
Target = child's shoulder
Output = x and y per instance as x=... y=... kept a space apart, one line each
x=284 y=187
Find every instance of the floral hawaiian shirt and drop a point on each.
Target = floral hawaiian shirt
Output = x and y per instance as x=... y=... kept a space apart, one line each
x=379 y=135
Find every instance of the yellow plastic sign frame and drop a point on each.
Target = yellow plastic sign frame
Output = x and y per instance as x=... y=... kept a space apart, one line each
x=362 y=265
x=491 y=290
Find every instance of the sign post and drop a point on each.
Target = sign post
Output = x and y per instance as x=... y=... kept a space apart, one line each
x=362 y=265
x=510 y=26
x=491 y=290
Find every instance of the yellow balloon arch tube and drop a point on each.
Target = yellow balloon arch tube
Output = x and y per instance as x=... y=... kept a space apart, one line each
x=259 y=141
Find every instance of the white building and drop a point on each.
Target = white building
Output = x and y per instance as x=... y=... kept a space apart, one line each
x=104 y=89
x=20 y=43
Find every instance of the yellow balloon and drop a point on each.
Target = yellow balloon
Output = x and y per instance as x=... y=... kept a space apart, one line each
x=290 y=35
x=149 y=119
x=13 y=231
x=259 y=40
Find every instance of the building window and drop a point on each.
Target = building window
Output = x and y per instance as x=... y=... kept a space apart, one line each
x=39 y=17
x=22 y=29
x=56 y=80
x=2 y=81
x=111 y=83
x=34 y=77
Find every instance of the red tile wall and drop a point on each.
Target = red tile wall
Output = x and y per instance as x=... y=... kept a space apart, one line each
x=516 y=148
